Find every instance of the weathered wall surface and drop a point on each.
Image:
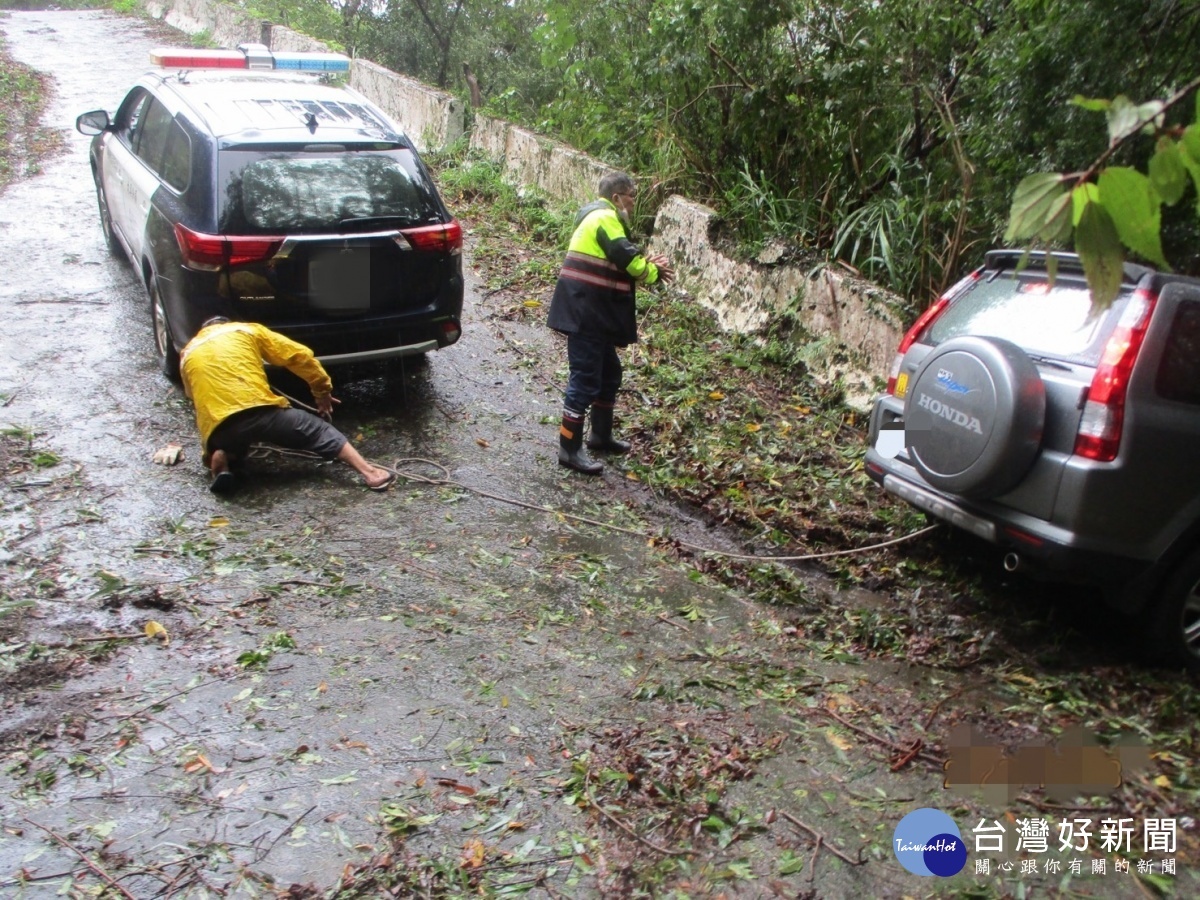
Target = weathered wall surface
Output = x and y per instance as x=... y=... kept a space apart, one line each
x=561 y=171
x=745 y=296
x=432 y=118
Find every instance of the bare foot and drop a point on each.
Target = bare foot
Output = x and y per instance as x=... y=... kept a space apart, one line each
x=378 y=479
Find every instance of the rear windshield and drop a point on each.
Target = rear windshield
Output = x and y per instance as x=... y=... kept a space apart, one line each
x=312 y=192
x=1055 y=322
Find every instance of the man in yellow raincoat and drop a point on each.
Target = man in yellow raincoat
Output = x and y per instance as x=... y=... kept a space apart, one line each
x=222 y=371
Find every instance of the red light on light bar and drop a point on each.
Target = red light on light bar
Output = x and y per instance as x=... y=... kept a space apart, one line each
x=198 y=59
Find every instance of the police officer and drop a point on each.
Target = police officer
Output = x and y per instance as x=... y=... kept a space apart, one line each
x=594 y=306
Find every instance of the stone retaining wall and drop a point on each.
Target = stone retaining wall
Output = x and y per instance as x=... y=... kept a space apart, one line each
x=747 y=296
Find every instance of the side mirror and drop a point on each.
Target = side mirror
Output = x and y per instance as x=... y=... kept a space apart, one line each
x=92 y=122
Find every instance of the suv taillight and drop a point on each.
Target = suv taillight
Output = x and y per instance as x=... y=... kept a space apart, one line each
x=209 y=252
x=1099 y=436
x=923 y=322
x=436 y=238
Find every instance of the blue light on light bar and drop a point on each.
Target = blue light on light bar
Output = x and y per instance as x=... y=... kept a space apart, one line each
x=312 y=62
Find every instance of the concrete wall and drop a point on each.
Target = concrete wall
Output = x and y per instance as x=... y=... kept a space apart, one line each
x=561 y=171
x=745 y=296
x=433 y=119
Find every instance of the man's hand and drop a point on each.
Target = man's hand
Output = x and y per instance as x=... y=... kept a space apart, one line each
x=666 y=271
x=325 y=404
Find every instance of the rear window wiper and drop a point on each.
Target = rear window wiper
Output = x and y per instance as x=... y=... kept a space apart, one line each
x=1052 y=363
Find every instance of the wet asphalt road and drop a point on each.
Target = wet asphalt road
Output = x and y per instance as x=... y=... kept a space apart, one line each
x=439 y=634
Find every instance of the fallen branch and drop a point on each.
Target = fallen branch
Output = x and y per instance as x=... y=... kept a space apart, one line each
x=286 y=830
x=60 y=645
x=96 y=868
x=629 y=831
x=882 y=741
x=938 y=707
x=821 y=842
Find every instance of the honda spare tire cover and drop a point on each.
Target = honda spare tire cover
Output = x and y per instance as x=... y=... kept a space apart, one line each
x=973 y=417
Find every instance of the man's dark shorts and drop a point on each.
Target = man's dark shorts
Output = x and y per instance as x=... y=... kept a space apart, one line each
x=293 y=429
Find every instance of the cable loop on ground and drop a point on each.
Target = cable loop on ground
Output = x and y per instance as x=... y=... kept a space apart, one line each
x=259 y=450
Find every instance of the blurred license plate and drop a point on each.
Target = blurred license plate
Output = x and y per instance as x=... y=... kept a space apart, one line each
x=340 y=280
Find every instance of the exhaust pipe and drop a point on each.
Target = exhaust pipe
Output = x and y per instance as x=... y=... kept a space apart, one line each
x=1012 y=562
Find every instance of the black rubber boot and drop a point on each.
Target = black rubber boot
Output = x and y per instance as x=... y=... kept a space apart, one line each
x=570 y=447
x=601 y=437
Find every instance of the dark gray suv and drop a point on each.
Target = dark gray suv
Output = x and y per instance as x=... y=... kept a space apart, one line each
x=1071 y=438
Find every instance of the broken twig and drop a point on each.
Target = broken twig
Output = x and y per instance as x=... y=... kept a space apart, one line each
x=96 y=868
x=822 y=842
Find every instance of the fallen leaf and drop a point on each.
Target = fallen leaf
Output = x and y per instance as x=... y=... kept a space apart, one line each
x=753 y=427
x=837 y=740
x=154 y=629
x=716 y=395
x=473 y=854
x=482 y=443
x=532 y=304
x=199 y=762
x=218 y=522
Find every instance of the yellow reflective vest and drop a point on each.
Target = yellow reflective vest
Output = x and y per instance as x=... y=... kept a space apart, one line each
x=222 y=371
x=595 y=293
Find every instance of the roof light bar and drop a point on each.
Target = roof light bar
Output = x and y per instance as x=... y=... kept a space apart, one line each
x=248 y=56
x=312 y=62
x=198 y=59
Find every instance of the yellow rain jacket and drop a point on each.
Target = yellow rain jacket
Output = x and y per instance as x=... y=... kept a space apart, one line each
x=222 y=370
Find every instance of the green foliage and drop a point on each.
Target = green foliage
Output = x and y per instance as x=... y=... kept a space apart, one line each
x=1115 y=208
x=888 y=134
x=23 y=102
x=267 y=648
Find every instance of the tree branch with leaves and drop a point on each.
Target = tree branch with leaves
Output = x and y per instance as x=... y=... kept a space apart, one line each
x=1111 y=209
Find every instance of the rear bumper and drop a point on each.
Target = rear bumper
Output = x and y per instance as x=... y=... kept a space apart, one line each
x=1040 y=546
x=335 y=340
x=344 y=359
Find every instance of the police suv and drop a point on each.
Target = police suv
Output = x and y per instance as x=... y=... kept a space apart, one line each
x=245 y=183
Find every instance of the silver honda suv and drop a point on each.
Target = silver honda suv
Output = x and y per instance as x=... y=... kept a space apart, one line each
x=1069 y=437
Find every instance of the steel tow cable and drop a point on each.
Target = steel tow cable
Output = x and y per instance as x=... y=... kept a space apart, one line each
x=447 y=481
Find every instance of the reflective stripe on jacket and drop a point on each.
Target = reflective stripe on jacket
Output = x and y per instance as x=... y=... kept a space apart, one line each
x=595 y=291
x=222 y=371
